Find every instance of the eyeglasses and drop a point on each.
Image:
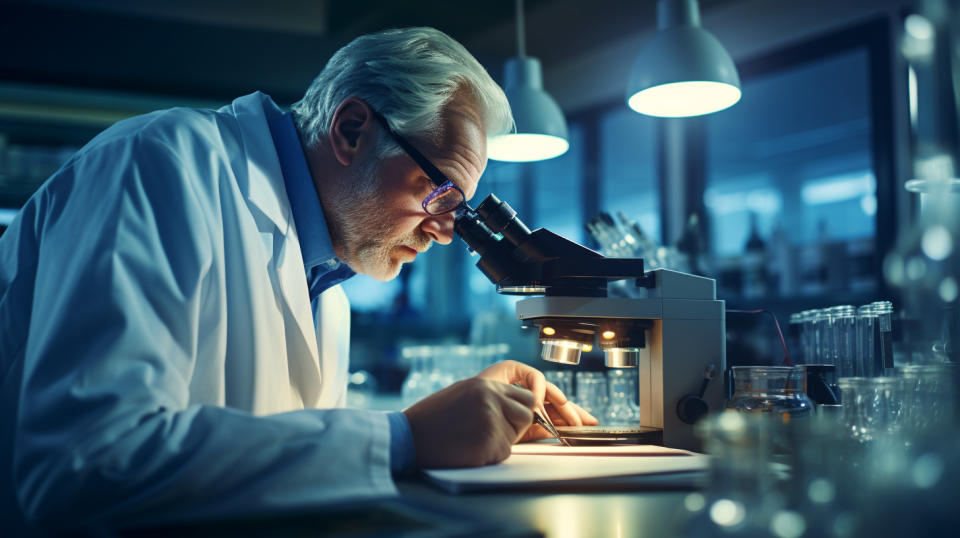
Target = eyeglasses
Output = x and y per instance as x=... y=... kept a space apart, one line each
x=447 y=196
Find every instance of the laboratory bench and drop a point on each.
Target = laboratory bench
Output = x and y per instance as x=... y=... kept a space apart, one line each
x=571 y=512
x=423 y=511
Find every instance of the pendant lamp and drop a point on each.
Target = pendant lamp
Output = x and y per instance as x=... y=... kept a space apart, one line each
x=541 y=129
x=683 y=70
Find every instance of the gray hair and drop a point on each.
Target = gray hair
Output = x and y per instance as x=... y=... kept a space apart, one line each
x=407 y=75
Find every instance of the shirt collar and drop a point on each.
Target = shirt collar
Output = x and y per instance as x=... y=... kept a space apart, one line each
x=313 y=234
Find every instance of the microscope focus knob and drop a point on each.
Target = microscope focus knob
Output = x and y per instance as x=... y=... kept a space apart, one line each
x=693 y=407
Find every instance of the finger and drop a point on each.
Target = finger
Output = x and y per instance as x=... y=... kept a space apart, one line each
x=519 y=416
x=534 y=433
x=559 y=419
x=503 y=371
x=532 y=379
x=562 y=406
x=502 y=439
x=520 y=394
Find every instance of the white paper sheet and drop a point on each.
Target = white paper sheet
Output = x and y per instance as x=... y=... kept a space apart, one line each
x=538 y=468
x=556 y=449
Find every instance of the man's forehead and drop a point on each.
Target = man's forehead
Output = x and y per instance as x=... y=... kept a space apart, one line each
x=462 y=148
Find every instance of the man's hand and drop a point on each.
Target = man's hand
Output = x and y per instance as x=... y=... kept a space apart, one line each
x=470 y=423
x=548 y=396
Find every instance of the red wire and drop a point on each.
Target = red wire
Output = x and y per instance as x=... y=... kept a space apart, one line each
x=786 y=354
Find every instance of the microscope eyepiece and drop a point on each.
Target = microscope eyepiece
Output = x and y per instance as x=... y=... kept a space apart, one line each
x=502 y=219
x=495 y=261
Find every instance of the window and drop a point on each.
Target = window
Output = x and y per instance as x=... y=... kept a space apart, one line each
x=628 y=168
x=557 y=185
x=790 y=172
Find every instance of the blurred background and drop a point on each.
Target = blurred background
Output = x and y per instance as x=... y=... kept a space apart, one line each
x=790 y=199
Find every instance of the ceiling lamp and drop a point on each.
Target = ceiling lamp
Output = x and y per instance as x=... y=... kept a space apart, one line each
x=683 y=71
x=541 y=129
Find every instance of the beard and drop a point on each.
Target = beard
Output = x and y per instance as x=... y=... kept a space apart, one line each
x=362 y=238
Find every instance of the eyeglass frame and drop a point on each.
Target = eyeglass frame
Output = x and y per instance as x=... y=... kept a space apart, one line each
x=438 y=178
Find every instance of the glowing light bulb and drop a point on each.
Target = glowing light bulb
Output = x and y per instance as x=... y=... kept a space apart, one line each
x=682 y=99
x=523 y=147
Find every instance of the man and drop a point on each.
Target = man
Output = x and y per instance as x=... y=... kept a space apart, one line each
x=172 y=340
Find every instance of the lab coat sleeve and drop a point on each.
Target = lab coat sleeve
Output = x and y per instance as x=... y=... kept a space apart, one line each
x=105 y=432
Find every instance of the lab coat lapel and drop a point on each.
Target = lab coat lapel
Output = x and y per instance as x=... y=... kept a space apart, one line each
x=264 y=186
x=266 y=191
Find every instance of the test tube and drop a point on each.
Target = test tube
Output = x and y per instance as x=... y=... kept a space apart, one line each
x=795 y=338
x=884 y=312
x=843 y=322
x=824 y=342
x=809 y=345
x=867 y=356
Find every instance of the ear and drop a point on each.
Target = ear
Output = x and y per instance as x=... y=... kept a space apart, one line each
x=351 y=130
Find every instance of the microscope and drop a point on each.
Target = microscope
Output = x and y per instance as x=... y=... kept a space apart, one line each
x=671 y=327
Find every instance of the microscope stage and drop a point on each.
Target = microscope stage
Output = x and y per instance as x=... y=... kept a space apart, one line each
x=610 y=435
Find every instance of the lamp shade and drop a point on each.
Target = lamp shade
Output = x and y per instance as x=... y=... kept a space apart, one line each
x=683 y=70
x=541 y=129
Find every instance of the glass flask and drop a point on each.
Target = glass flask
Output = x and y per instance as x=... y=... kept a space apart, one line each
x=779 y=390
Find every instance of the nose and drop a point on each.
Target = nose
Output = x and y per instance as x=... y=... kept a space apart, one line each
x=439 y=228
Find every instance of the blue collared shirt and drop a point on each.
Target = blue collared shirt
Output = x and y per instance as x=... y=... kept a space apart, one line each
x=324 y=270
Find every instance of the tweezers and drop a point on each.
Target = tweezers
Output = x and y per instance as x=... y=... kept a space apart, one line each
x=540 y=417
x=547 y=425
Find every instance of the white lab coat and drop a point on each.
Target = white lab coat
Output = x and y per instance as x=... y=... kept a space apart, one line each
x=158 y=354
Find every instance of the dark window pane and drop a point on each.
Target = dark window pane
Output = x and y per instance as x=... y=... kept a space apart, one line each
x=628 y=178
x=794 y=155
x=557 y=200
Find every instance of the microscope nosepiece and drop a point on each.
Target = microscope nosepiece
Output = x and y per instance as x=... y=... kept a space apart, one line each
x=562 y=351
x=621 y=357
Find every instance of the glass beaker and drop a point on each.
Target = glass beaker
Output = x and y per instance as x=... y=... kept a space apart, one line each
x=928 y=396
x=440 y=370
x=416 y=385
x=779 y=390
x=741 y=481
x=871 y=406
